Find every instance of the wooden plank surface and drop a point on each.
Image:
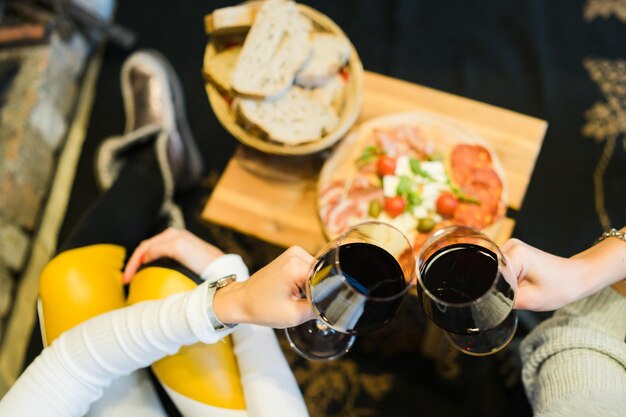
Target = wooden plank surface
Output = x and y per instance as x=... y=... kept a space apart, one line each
x=270 y=197
x=274 y=197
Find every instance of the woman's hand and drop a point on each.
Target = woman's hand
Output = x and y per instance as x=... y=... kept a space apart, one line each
x=545 y=282
x=270 y=297
x=178 y=244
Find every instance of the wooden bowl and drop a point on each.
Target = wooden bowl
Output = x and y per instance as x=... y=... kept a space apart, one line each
x=353 y=97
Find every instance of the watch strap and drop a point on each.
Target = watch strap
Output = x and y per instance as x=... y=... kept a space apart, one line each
x=213 y=287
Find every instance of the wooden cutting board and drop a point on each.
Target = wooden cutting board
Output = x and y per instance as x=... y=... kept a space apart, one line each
x=273 y=197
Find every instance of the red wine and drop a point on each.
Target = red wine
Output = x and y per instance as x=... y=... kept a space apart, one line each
x=468 y=292
x=344 y=299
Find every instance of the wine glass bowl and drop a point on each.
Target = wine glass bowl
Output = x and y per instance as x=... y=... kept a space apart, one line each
x=467 y=289
x=356 y=285
x=329 y=344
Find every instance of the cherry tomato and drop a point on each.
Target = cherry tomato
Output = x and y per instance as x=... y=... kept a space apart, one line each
x=394 y=206
x=447 y=204
x=386 y=165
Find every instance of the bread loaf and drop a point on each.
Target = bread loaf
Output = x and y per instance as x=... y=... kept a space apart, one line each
x=230 y=20
x=277 y=45
x=329 y=53
x=219 y=68
x=292 y=119
x=330 y=93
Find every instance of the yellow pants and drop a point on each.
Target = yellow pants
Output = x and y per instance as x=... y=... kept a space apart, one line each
x=81 y=283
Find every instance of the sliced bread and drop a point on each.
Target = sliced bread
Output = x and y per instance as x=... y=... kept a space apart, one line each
x=230 y=20
x=219 y=68
x=331 y=93
x=292 y=119
x=329 y=52
x=277 y=45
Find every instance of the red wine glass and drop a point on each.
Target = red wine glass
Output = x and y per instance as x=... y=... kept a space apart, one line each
x=467 y=289
x=356 y=285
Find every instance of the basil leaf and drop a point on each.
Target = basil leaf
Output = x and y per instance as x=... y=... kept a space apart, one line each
x=416 y=168
x=462 y=197
x=414 y=199
x=414 y=164
x=369 y=154
x=467 y=199
x=404 y=186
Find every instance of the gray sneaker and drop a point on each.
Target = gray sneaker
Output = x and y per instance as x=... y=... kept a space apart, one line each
x=155 y=111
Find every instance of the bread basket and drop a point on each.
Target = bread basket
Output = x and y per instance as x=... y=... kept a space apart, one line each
x=348 y=114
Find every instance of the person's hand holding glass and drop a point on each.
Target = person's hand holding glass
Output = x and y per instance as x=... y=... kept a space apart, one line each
x=356 y=285
x=467 y=289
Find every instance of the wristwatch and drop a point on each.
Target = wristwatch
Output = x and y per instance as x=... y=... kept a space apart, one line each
x=213 y=287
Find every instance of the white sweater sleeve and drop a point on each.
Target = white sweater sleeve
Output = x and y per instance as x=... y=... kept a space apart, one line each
x=71 y=373
x=269 y=386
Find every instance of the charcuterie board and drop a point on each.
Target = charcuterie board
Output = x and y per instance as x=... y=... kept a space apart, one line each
x=417 y=171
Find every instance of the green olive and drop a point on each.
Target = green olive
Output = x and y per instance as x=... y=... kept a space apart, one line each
x=375 y=209
x=425 y=225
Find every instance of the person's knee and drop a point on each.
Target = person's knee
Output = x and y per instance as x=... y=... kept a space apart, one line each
x=79 y=284
x=206 y=375
x=59 y=272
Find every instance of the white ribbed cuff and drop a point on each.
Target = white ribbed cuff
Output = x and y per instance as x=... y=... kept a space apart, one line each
x=198 y=318
x=225 y=265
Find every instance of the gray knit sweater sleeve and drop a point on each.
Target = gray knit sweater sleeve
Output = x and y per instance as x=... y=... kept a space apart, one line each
x=575 y=362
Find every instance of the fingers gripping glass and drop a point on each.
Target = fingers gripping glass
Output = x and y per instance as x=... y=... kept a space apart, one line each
x=466 y=288
x=356 y=285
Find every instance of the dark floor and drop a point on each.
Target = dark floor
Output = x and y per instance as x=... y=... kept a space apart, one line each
x=537 y=57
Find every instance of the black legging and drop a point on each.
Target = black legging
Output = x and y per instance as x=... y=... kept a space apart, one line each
x=128 y=212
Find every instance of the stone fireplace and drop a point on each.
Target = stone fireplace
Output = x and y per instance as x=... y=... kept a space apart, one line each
x=41 y=85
